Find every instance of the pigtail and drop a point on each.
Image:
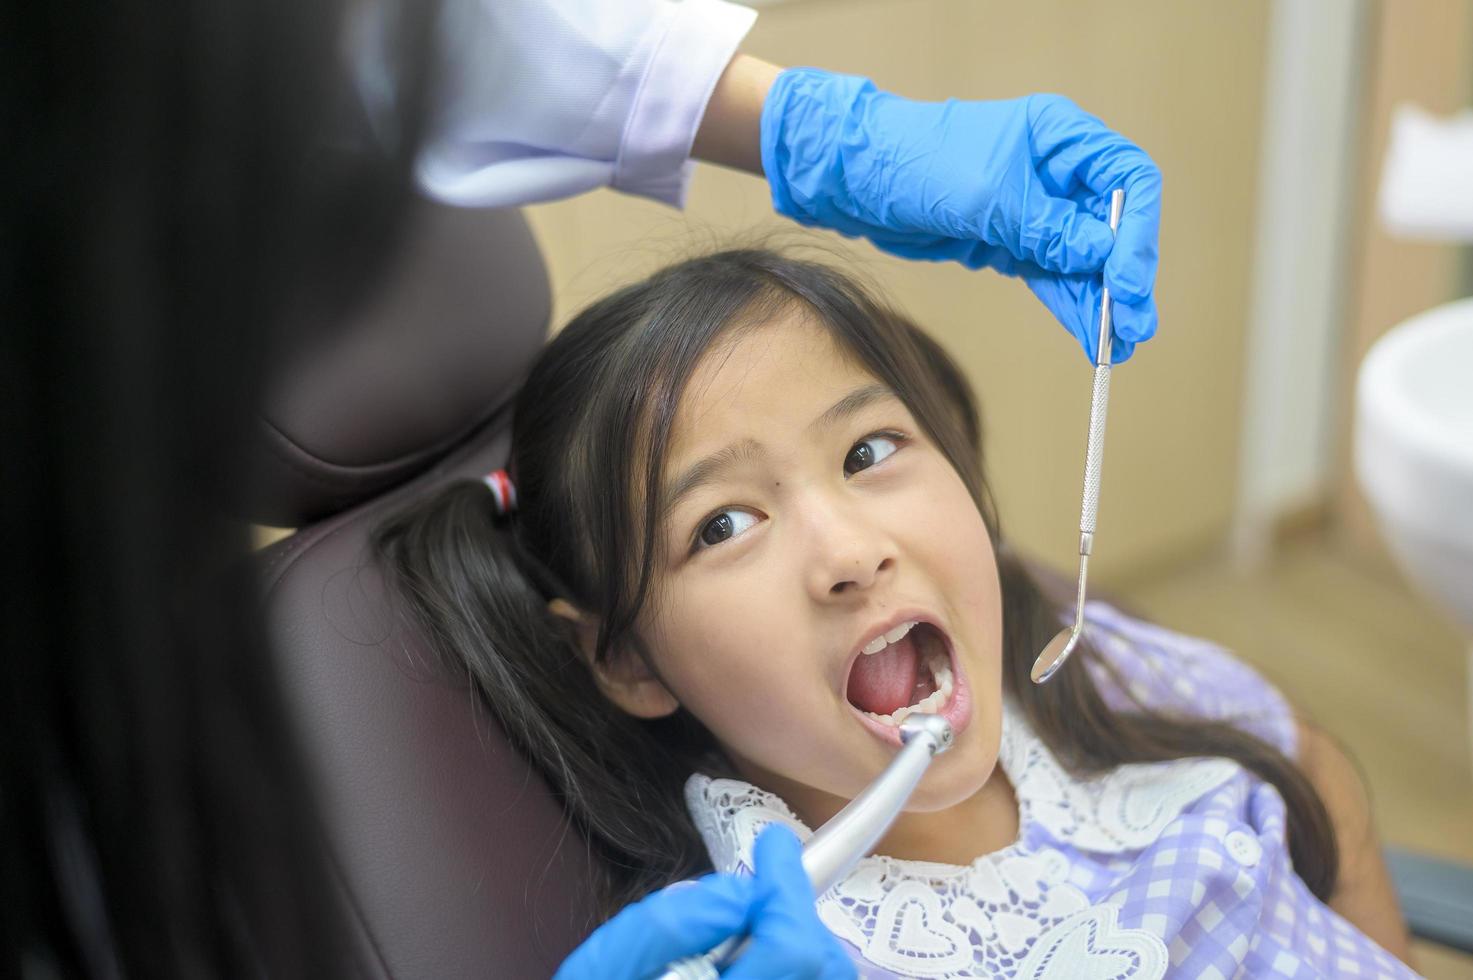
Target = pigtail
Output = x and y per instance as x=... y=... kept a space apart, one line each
x=458 y=567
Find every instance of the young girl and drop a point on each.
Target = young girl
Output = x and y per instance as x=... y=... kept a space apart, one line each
x=752 y=533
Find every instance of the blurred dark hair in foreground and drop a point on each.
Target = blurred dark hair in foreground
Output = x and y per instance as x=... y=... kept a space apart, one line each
x=171 y=198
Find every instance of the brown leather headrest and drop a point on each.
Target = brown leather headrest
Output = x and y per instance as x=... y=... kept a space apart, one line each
x=439 y=347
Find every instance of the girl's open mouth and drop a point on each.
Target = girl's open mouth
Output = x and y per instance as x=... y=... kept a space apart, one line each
x=908 y=668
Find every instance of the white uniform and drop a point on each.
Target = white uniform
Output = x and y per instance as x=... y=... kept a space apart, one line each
x=543 y=99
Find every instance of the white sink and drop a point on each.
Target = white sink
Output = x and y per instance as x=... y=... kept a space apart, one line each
x=1414 y=449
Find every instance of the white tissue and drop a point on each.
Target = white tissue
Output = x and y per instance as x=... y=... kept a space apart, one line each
x=1427 y=181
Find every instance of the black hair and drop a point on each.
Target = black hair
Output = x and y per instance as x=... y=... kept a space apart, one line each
x=590 y=432
x=174 y=195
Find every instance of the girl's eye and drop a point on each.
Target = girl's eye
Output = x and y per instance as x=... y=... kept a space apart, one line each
x=723 y=527
x=869 y=451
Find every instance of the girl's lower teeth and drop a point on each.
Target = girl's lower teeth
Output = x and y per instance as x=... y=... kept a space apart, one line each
x=932 y=703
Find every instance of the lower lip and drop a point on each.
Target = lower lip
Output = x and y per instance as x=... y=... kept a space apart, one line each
x=957 y=710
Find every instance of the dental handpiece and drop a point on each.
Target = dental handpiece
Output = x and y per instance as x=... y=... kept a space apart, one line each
x=849 y=835
x=1063 y=644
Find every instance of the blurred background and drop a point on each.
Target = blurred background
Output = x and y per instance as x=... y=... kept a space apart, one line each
x=1230 y=505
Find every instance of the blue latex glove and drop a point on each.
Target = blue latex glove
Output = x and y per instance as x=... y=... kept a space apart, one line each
x=1021 y=186
x=775 y=907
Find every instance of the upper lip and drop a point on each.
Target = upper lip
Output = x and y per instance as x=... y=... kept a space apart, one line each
x=875 y=629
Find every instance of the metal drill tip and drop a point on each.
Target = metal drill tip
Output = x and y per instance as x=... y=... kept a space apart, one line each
x=933 y=725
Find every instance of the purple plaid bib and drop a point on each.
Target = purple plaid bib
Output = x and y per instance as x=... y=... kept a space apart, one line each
x=1168 y=869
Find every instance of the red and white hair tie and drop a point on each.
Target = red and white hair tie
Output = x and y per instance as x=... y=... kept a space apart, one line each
x=503 y=490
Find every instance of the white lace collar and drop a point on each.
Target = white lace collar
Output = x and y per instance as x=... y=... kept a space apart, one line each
x=1009 y=913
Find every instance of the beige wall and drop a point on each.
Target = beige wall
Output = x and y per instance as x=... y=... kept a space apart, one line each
x=1184 y=81
x=1422 y=53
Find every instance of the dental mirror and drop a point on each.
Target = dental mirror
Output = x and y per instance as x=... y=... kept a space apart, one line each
x=1054 y=655
x=1063 y=644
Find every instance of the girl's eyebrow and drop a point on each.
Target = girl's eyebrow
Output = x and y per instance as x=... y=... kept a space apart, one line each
x=707 y=470
x=851 y=404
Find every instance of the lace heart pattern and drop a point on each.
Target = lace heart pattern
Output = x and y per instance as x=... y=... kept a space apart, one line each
x=1091 y=946
x=911 y=929
x=914 y=919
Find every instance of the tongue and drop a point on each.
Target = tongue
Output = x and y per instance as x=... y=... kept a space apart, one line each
x=886 y=681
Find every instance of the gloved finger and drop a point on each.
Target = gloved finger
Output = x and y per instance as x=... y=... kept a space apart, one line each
x=1059 y=236
x=1075 y=150
x=1120 y=351
x=816 y=961
x=1130 y=271
x=782 y=884
x=675 y=922
x=1130 y=323
x=1135 y=322
x=1060 y=136
x=1080 y=153
x=765 y=962
x=1073 y=300
x=788 y=939
x=1096 y=204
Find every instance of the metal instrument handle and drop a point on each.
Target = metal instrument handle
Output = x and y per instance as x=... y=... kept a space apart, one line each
x=848 y=836
x=1099 y=403
x=1107 y=333
x=1094 y=456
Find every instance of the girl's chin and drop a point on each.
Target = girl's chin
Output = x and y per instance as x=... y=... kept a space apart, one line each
x=953 y=780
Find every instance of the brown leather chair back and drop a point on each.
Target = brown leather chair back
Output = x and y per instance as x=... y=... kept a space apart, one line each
x=454 y=859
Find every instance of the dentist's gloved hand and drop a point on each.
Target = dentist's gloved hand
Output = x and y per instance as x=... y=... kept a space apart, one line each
x=775 y=907
x=1021 y=186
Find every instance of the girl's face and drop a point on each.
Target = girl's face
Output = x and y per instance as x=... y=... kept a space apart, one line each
x=806 y=515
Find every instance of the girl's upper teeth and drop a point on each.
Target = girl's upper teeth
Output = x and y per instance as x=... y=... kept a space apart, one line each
x=888 y=637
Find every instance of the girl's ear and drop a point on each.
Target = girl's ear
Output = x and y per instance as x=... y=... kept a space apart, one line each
x=625 y=679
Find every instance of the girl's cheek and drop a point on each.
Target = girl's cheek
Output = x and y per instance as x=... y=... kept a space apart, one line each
x=712 y=638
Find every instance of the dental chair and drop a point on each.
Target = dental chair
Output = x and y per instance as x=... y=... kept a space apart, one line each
x=452 y=856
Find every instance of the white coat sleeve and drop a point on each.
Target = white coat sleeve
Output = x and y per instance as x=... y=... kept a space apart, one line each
x=542 y=99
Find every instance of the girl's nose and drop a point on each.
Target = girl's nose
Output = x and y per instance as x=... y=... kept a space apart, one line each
x=850 y=556
x=863 y=577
